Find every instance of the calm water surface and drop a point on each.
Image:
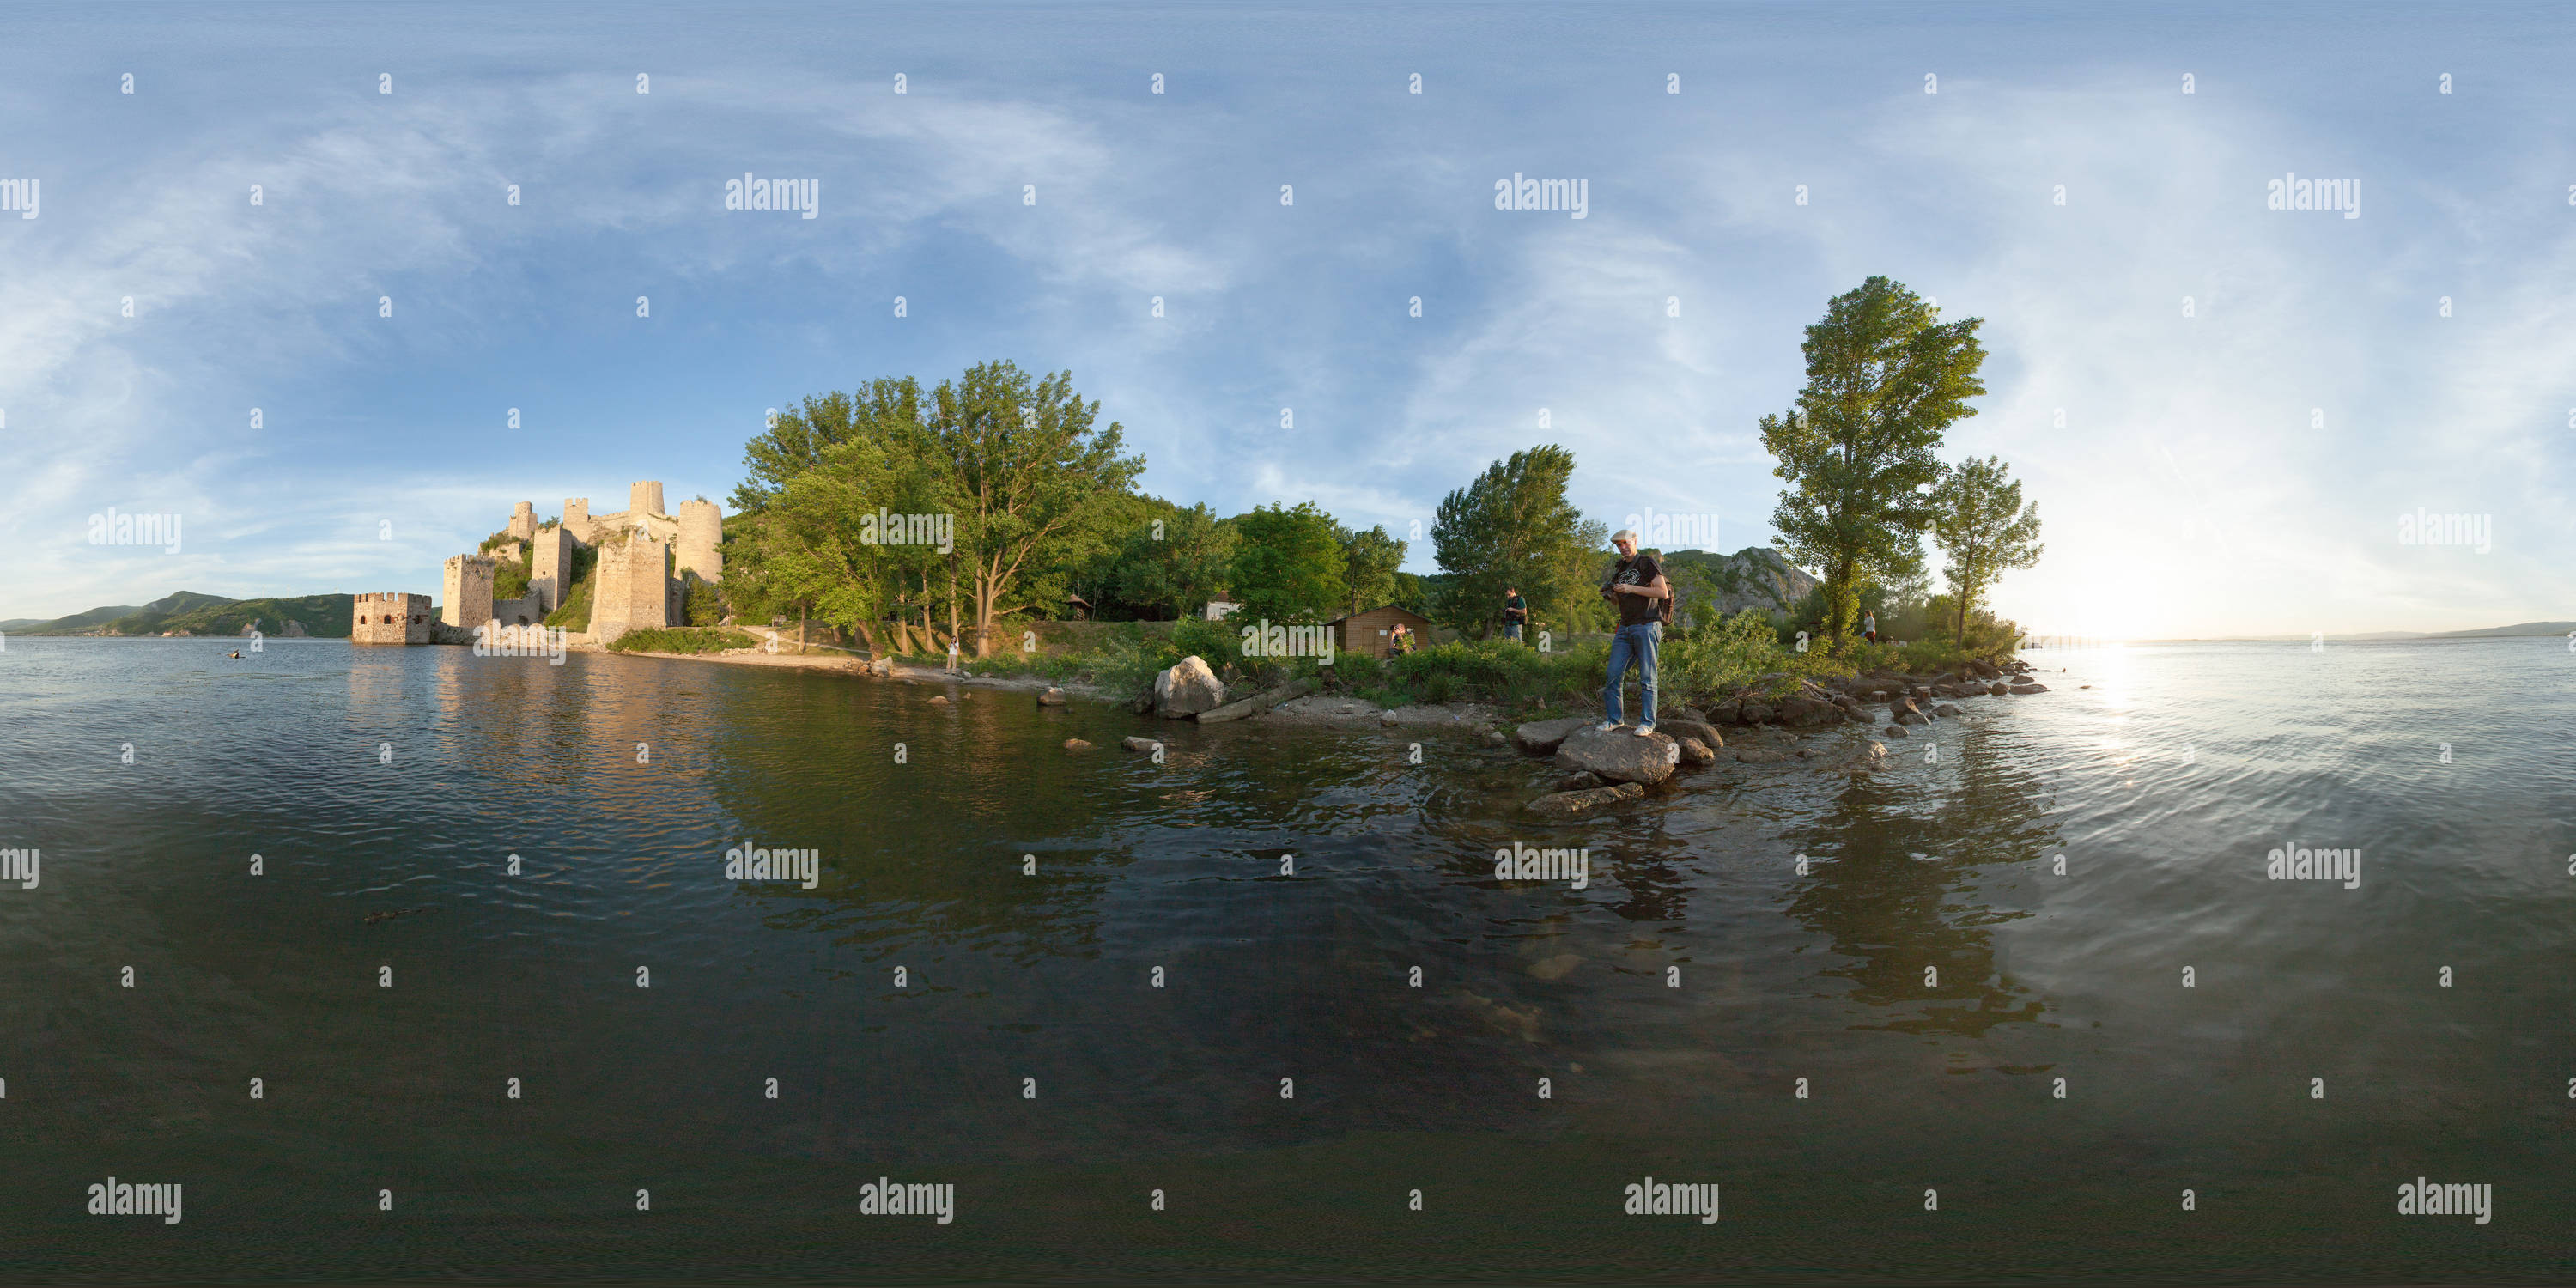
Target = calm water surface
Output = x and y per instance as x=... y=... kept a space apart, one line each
x=2162 y=786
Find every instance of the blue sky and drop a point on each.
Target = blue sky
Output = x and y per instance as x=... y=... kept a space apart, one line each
x=2190 y=490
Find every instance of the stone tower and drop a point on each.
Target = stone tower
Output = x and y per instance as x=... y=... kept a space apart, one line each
x=633 y=588
x=550 y=570
x=643 y=499
x=466 y=597
x=523 y=520
x=393 y=618
x=576 y=518
x=701 y=529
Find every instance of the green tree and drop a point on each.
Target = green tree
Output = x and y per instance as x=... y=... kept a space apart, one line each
x=1513 y=527
x=1288 y=564
x=1885 y=379
x=813 y=547
x=1370 y=561
x=1983 y=529
x=1038 y=489
x=796 y=438
x=1173 y=562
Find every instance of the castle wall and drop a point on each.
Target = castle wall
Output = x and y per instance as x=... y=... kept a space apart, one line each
x=633 y=591
x=644 y=498
x=701 y=531
x=465 y=598
x=576 y=520
x=523 y=520
x=523 y=611
x=550 y=573
x=389 y=618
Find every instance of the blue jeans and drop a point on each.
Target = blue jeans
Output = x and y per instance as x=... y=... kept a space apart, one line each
x=1637 y=643
x=1511 y=630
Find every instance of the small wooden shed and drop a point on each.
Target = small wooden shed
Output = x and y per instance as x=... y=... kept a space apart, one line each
x=1366 y=632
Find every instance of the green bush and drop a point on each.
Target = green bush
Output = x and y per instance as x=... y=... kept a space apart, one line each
x=509 y=580
x=680 y=639
x=573 y=614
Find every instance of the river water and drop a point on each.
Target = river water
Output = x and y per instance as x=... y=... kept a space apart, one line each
x=1288 y=1087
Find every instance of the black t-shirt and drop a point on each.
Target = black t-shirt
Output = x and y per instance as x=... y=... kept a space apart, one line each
x=1637 y=610
x=1514 y=609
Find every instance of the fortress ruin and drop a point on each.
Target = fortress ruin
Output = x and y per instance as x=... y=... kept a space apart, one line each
x=647 y=558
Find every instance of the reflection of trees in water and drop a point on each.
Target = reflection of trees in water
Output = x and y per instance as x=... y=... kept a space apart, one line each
x=1892 y=911
x=928 y=851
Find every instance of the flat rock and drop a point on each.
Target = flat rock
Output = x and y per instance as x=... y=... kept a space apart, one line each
x=1579 y=780
x=1945 y=711
x=939 y=699
x=1894 y=731
x=2030 y=688
x=1620 y=755
x=1540 y=737
x=1051 y=698
x=1695 y=752
x=1759 y=756
x=1076 y=744
x=1187 y=688
x=1571 y=804
x=1138 y=744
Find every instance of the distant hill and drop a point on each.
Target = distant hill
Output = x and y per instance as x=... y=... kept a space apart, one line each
x=1754 y=577
x=2497 y=632
x=67 y=625
x=322 y=616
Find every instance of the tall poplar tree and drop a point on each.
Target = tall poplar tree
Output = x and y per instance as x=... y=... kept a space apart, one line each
x=1885 y=379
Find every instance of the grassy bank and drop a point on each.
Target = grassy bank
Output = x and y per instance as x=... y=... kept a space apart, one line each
x=1693 y=667
x=680 y=639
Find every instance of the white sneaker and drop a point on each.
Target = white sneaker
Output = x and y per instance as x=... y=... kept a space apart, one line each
x=1645 y=731
x=1605 y=726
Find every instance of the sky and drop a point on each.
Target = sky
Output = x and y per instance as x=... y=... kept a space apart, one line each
x=2222 y=410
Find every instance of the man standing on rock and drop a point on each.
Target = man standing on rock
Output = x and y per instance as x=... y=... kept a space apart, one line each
x=1645 y=603
x=1515 y=612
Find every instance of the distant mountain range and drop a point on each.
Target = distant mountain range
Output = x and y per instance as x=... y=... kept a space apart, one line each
x=321 y=616
x=2489 y=633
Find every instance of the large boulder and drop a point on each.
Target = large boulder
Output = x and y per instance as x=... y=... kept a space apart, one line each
x=1540 y=737
x=2033 y=687
x=1189 y=687
x=1755 y=713
x=1619 y=755
x=1804 y=712
x=1706 y=733
x=1571 y=804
